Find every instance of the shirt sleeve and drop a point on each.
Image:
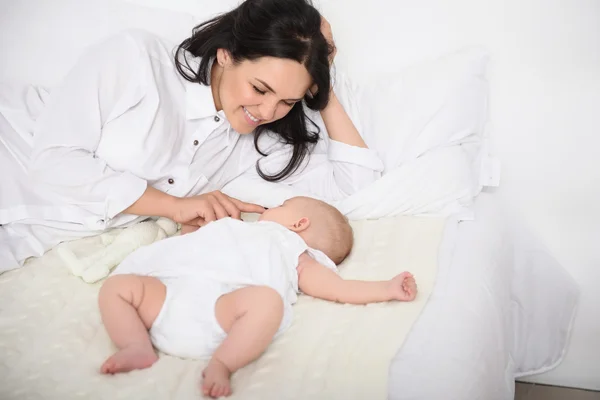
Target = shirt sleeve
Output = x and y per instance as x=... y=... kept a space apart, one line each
x=334 y=170
x=104 y=83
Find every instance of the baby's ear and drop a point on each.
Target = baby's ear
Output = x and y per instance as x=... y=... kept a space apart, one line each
x=300 y=225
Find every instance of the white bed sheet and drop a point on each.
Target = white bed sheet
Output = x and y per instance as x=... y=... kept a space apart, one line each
x=485 y=324
x=52 y=341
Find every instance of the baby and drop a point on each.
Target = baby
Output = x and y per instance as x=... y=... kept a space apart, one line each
x=225 y=291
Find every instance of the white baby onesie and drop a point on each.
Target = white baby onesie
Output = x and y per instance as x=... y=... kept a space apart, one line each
x=199 y=267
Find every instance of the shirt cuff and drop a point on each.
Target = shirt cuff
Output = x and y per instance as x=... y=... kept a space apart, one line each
x=127 y=189
x=342 y=152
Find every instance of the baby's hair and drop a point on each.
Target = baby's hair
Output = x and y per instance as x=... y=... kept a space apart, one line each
x=338 y=238
x=341 y=236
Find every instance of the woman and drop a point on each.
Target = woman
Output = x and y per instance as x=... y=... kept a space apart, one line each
x=138 y=130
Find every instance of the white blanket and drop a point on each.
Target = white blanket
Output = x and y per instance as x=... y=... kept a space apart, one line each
x=52 y=341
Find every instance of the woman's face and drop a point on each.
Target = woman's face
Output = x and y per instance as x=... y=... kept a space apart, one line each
x=257 y=92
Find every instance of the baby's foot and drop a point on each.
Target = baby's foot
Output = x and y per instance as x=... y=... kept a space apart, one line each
x=215 y=382
x=129 y=358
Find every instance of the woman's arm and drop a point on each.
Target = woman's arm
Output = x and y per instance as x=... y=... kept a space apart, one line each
x=194 y=211
x=339 y=125
x=69 y=131
x=153 y=203
x=105 y=81
x=334 y=170
x=337 y=122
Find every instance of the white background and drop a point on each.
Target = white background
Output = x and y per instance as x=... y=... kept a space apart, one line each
x=545 y=98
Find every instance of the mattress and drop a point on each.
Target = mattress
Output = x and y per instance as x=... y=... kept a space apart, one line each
x=52 y=341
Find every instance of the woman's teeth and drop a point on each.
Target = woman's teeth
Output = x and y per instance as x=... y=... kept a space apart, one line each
x=252 y=117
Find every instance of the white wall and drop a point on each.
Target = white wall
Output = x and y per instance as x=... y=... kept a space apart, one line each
x=545 y=78
x=545 y=81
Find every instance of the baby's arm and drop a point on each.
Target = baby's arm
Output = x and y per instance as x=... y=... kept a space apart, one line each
x=319 y=281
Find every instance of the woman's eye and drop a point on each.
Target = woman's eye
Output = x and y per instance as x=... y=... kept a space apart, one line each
x=257 y=90
x=289 y=104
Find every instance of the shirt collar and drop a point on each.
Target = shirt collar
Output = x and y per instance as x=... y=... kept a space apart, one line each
x=199 y=102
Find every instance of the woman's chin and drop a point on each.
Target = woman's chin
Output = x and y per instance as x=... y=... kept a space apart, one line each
x=246 y=132
x=243 y=128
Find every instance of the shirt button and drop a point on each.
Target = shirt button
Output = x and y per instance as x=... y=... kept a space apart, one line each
x=196 y=143
x=171 y=181
x=217 y=119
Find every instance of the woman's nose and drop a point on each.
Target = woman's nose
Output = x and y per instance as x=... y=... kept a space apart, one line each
x=267 y=111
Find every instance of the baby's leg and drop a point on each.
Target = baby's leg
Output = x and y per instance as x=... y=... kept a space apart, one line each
x=251 y=316
x=129 y=304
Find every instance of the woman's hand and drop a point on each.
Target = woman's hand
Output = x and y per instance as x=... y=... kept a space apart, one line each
x=326 y=31
x=202 y=209
x=337 y=122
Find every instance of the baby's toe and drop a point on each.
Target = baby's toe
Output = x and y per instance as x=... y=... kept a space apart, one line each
x=108 y=367
x=207 y=388
x=216 y=391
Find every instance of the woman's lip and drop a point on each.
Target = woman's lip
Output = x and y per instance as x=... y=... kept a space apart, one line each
x=248 y=119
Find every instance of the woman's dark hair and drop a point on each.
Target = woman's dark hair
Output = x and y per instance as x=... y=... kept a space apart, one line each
x=288 y=29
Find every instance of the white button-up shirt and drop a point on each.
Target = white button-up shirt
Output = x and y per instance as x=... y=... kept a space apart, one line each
x=124 y=118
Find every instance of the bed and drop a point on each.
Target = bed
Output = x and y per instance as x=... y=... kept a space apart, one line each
x=466 y=333
x=495 y=305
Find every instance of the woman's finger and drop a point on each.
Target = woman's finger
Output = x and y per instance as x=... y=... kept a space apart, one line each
x=200 y=222
x=207 y=213
x=232 y=210
x=189 y=228
x=247 y=207
x=193 y=222
x=328 y=34
x=216 y=203
x=227 y=202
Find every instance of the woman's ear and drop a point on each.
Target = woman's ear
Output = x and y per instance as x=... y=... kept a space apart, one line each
x=223 y=57
x=300 y=225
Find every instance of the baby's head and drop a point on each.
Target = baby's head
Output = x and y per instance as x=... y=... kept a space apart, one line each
x=321 y=226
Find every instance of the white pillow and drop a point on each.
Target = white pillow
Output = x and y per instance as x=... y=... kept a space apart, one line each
x=430 y=105
x=439 y=183
x=437 y=103
x=429 y=125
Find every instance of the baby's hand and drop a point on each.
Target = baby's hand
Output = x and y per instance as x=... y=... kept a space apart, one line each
x=403 y=287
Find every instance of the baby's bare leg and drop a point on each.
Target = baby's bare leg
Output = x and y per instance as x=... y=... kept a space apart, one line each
x=129 y=304
x=251 y=317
